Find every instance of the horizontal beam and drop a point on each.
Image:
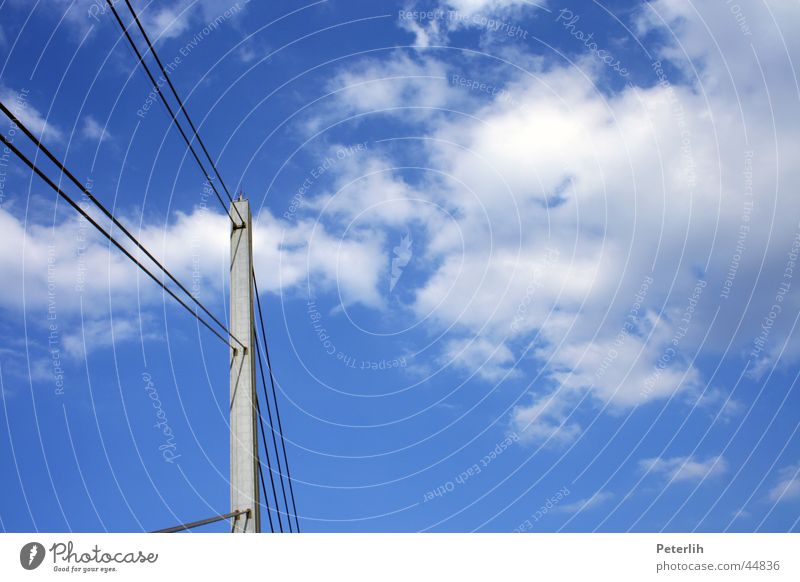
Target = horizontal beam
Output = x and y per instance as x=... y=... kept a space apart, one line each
x=185 y=526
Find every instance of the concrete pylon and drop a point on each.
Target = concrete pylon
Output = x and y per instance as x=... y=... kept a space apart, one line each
x=244 y=435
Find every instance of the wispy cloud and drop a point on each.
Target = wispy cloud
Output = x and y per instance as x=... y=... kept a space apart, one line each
x=596 y=500
x=93 y=130
x=685 y=469
x=102 y=333
x=788 y=486
x=19 y=102
x=741 y=513
x=549 y=419
x=162 y=20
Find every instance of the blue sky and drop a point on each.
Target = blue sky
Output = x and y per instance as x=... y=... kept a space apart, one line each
x=526 y=266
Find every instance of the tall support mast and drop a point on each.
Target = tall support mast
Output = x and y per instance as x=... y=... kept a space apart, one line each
x=244 y=435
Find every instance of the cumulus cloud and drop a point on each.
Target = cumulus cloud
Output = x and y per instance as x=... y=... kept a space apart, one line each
x=587 y=232
x=684 y=469
x=562 y=200
x=71 y=267
x=504 y=280
x=631 y=369
x=480 y=356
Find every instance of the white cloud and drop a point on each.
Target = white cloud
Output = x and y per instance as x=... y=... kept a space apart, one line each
x=31 y=254
x=544 y=212
x=297 y=252
x=644 y=181
x=741 y=513
x=427 y=34
x=160 y=22
x=480 y=356
x=93 y=130
x=547 y=420
x=495 y=19
x=501 y=275
x=71 y=261
x=247 y=54
x=722 y=42
x=624 y=371
x=104 y=332
x=788 y=486
x=596 y=500
x=70 y=273
x=690 y=469
x=19 y=103
x=405 y=86
x=472 y=7
x=167 y=22
x=186 y=16
x=718 y=404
